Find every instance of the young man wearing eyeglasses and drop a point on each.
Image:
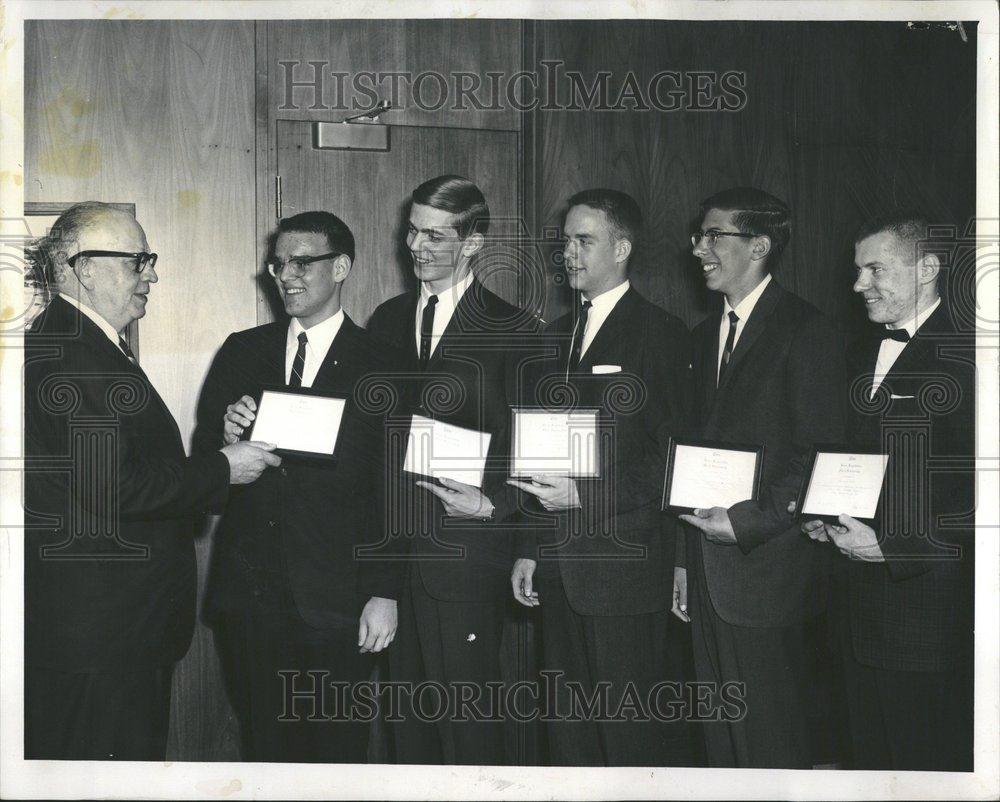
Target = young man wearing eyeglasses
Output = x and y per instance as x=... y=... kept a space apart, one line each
x=294 y=604
x=110 y=580
x=767 y=370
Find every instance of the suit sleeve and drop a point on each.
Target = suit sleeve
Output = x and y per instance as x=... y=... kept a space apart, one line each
x=376 y=575
x=141 y=483
x=816 y=391
x=952 y=491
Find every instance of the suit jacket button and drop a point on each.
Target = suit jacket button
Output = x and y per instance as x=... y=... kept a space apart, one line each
x=284 y=471
x=272 y=523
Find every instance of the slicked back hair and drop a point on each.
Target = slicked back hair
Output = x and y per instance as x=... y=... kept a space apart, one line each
x=755 y=212
x=621 y=210
x=457 y=195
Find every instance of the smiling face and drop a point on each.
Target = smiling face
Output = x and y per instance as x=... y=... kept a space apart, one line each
x=734 y=265
x=893 y=287
x=109 y=284
x=595 y=260
x=440 y=256
x=313 y=293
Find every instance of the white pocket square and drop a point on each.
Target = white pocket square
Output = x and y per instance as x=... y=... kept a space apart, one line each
x=893 y=395
x=606 y=369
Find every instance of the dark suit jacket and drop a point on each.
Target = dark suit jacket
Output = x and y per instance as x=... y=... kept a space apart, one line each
x=914 y=611
x=616 y=551
x=299 y=525
x=105 y=459
x=470 y=381
x=783 y=389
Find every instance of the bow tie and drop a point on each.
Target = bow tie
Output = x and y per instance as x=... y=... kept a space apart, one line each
x=899 y=335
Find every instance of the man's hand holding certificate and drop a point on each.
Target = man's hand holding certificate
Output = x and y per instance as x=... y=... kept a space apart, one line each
x=299 y=422
x=444 y=451
x=703 y=480
x=840 y=499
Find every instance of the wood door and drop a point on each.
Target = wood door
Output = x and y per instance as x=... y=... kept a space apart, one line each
x=370 y=192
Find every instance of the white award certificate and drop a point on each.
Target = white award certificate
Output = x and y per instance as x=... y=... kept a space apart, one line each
x=299 y=422
x=841 y=482
x=561 y=443
x=443 y=451
x=702 y=476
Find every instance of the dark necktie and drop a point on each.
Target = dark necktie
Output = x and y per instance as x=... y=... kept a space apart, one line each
x=299 y=363
x=727 y=352
x=578 y=334
x=126 y=350
x=426 y=330
x=899 y=335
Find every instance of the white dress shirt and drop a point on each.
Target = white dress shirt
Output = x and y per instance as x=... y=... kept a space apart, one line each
x=447 y=301
x=890 y=350
x=743 y=311
x=600 y=308
x=319 y=338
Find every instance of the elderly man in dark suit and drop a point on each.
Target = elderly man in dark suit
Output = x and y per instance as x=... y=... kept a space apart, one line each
x=750 y=582
x=460 y=344
x=295 y=602
x=600 y=568
x=110 y=567
x=904 y=602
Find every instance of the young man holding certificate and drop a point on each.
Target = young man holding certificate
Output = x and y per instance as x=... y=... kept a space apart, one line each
x=600 y=561
x=460 y=344
x=768 y=371
x=294 y=603
x=904 y=608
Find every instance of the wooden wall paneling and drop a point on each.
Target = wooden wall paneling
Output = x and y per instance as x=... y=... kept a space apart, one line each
x=370 y=192
x=896 y=106
x=381 y=46
x=160 y=114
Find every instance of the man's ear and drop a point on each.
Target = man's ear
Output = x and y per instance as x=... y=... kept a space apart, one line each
x=623 y=249
x=473 y=244
x=761 y=246
x=83 y=270
x=928 y=267
x=341 y=267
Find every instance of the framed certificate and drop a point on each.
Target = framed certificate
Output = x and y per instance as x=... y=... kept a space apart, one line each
x=301 y=422
x=702 y=474
x=842 y=481
x=561 y=443
x=444 y=451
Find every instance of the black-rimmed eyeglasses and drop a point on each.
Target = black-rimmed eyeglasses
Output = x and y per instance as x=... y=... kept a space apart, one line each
x=298 y=264
x=712 y=236
x=140 y=261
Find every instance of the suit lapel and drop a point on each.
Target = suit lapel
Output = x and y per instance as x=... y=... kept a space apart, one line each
x=710 y=359
x=329 y=372
x=91 y=331
x=611 y=332
x=468 y=312
x=753 y=329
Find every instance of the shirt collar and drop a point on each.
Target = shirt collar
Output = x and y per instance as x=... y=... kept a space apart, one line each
x=102 y=324
x=917 y=321
x=745 y=307
x=451 y=296
x=608 y=298
x=320 y=336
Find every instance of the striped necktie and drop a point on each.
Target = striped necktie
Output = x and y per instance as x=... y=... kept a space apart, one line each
x=299 y=364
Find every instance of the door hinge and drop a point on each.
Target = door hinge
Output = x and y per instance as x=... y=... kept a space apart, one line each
x=277 y=196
